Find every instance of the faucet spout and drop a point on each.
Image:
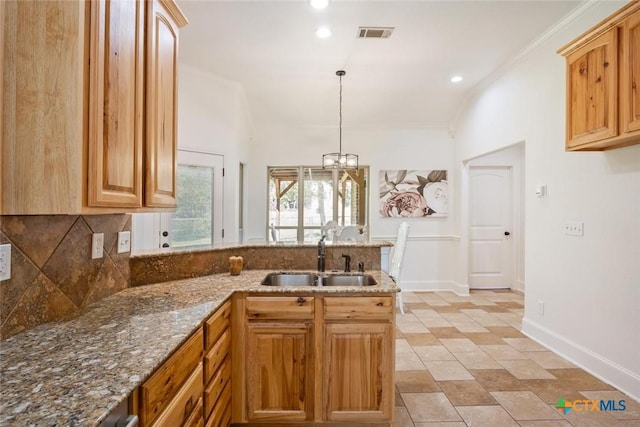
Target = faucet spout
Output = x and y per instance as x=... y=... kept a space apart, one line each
x=347 y=263
x=322 y=252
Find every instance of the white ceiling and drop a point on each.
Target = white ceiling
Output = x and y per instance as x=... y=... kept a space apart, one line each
x=270 y=48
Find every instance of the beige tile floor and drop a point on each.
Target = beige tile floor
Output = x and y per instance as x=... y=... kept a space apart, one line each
x=462 y=361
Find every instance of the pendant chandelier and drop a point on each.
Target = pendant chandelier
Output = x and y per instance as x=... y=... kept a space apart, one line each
x=339 y=160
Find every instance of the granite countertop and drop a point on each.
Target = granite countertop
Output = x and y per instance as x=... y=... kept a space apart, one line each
x=74 y=372
x=265 y=244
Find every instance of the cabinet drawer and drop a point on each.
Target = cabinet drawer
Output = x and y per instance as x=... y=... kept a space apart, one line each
x=188 y=399
x=215 y=326
x=358 y=307
x=161 y=387
x=218 y=416
x=213 y=360
x=279 y=308
x=216 y=386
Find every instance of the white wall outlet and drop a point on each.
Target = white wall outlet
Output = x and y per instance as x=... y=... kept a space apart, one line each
x=5 y=262
x=541 y=308
x=574 y=228
x=124 y=242
x=97 y=245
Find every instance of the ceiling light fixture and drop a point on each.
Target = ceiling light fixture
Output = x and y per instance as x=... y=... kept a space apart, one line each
x=339 y=160
x=323 y=33
x=456 y=79
x=319 y=4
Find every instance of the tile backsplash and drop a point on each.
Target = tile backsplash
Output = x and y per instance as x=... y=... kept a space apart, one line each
x=52 y=273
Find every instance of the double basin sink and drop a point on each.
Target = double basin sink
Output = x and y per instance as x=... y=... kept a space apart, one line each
x=318 y=279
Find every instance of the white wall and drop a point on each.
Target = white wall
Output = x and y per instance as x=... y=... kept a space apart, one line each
x=590 y=285
x=212 y=117
x=428 y=259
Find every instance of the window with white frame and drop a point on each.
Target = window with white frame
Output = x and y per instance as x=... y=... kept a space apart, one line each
x=301 y=199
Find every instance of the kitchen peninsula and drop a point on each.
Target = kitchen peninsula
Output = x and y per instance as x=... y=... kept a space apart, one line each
x=75 y=371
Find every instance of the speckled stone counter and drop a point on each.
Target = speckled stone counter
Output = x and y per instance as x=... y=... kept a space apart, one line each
x=180 y=263
x=74 y=372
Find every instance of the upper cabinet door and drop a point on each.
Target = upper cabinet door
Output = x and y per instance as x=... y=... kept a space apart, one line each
x=163 y=22
x=630 y=74
x=592 y=82
x=116 y=103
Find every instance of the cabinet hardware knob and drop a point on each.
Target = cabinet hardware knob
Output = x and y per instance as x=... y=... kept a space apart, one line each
x=300 y=300
x=165 y=233
x=506 y=233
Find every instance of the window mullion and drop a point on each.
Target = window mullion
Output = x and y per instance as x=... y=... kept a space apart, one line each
x=300 y=232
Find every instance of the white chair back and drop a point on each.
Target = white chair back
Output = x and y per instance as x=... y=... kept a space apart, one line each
x=398 y=251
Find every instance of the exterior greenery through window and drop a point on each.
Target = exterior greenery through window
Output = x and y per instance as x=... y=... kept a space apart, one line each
x=301 y=199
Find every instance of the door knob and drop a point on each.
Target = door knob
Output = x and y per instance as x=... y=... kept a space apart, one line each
x=506 y=233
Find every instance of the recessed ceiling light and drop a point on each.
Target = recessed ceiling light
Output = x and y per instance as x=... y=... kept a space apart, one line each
x=456 y=79
x=323 y=32
x=319 y=4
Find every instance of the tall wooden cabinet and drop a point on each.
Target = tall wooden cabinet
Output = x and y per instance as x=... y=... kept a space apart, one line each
x=603 y=83
x=89 y=99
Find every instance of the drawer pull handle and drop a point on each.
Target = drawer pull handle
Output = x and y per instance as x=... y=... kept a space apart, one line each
x=188 y=407
x=300 y=301
x=380 y=304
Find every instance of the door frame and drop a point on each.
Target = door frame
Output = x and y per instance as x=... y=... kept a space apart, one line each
x=492 y=159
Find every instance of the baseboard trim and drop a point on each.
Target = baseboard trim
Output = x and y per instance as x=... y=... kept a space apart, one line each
x=621 y=378
x=434 y=285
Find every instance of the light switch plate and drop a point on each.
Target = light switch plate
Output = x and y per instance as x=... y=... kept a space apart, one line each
x=574 y=228
x=124 y=242
x=5 y=261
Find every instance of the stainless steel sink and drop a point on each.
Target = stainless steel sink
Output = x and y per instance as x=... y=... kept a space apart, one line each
x=349 y=280
x=291 y=279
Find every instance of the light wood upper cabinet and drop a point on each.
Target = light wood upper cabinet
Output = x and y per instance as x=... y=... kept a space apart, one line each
x=630 y=77
x=603 y=99
x=89 y=98
x=163 y=23
x=116 y=108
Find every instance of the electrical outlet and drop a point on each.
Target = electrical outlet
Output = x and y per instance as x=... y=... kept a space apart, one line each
x=97 y=245
x=574 y=228
x=5 y=262
x=541 y=308
x=124 y=242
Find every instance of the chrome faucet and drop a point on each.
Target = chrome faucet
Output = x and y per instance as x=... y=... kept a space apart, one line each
x=322 y=252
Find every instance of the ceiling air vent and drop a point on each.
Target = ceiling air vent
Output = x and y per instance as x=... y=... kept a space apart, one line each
x=375 y=32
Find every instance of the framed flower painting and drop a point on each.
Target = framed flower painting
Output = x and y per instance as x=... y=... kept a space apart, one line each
x=414 y=193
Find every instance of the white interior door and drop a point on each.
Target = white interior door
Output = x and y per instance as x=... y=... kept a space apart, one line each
x=490 y=222
x=198 y=219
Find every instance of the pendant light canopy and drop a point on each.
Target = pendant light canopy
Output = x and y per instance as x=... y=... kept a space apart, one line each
x=340 y=160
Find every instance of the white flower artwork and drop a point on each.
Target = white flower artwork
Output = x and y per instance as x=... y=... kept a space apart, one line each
x=413 y=193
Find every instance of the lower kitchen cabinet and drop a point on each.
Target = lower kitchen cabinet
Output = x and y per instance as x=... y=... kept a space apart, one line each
x=313 y=359
x=193 y=386
x=279 y=371
x=357 y=372
x=172 y=393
